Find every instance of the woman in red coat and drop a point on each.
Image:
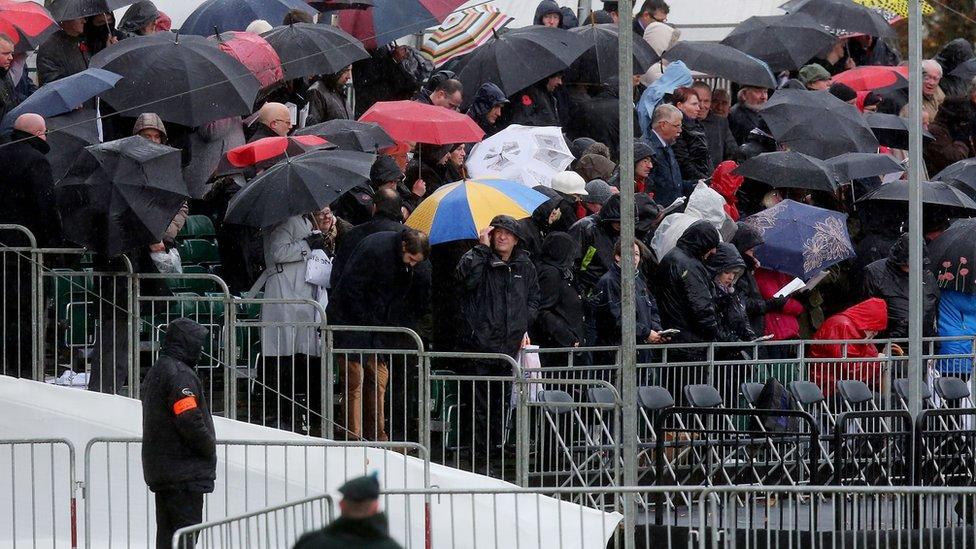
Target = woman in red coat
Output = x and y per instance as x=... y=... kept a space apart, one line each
x=861 y=322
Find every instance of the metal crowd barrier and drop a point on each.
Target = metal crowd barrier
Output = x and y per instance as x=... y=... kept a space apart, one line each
x=251 y=474
x=38 y=505
x=268 y=528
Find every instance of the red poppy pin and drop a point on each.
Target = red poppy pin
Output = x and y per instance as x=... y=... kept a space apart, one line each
x=526 y=100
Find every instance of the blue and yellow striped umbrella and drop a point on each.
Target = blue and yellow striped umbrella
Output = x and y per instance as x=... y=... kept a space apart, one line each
x=459 y=210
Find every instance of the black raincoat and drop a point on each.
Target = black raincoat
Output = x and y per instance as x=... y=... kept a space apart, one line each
x=685 y=291
x=560 y=319
x=597 y=238
x=951 y=56
x=499 y=300
x=487 y=97
x=885 y=279
x=746 y=238
x=729 y=303
x=179 y=448
x=346 y=533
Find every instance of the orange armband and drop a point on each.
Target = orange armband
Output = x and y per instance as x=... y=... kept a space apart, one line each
x=184 y=404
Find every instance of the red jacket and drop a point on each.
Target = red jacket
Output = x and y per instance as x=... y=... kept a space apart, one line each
x=726 y=184
x=868 y=315
x=782 y=324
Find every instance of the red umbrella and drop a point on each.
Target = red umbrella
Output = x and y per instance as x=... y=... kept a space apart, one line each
x=267 y=152
x=870 y=77
x=255 y=53
x=26 y=23
x=419 y=123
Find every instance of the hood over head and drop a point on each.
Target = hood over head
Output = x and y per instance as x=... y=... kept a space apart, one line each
x=746 y=237
x=545 y=8
x=700 y=237
x=559 y=250
x=138 y=16
x=953 y=54
x=508 y=223
x=540 y=215
x=611 y=210
x=184 y=341
x=384 y=169
x=870 y=314
x=724 y=181
x=580 y=144
x=726 y=259
x=595 y=166
x=489 y=95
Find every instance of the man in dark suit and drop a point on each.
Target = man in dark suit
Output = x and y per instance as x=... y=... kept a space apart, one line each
x=665 y=180
x=651 y=11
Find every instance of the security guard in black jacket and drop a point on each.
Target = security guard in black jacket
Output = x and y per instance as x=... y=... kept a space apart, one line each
x=179 y=453
x=361 y=524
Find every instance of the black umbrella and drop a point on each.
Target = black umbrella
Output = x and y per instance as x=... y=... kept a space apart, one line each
x=952 y=256
x=842 y=16
x=335 y=5
x=965 y=70
x=68 y=135
x=350 y=135
x=961 y=175
x=184 y=79
x=516 y=59
x=599 y=65
x=817 y=124
x=933 y=192
x=790 y=169
x=307 y=49
x=892 y=130
x=298 y=186
x=785 y=42
x=851 y=166
x=121 y=195
x=723 y=61
x=63 y=10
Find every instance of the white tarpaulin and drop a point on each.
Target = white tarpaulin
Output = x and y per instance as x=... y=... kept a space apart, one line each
x=703 y=204
x=251 y=478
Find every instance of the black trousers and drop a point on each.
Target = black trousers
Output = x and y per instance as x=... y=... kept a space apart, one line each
x=176 y=509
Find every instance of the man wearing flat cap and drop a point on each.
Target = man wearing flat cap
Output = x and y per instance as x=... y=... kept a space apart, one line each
x=360 y=524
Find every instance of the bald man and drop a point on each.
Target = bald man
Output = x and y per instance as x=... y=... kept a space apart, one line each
x=274 y=120
x=27 y=188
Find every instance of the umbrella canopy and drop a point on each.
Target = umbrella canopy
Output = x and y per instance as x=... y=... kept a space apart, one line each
x=415 y=122
x=790 y=169
x=965 y=70
x=68 y=135
x=458 y=211
x=298 y=186
x=785 y=42
x=183 y=79
x=335 y=5
x=851 y=166
x=462 y=32
x=598 y=65
x=351 y=135
x=121 y=195
x=264 y=153
x=801 y=240
x=892 y=130
x=253 y=52
x=723 y=61
x=953 y=256
x=216 y=16
x=388 y=20
x=817 y=124
x=26 y=23
x=64 y=95
x=961 y=175
x=63 y=10
x=933 y=192
x=893 y=10
x=842 y=16
x=307 y=49
x=519 y=58
x=870 y=77
x=525 y=154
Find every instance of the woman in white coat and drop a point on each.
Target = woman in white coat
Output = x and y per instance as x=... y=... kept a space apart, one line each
x=289 y=345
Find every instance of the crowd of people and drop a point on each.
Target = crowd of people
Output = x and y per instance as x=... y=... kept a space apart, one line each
x=552 y=279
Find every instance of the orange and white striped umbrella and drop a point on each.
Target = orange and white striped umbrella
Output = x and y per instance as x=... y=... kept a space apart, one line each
x=462 y=32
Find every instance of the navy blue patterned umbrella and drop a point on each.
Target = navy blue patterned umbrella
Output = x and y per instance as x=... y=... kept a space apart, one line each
x=801 y=240
x=236 y=15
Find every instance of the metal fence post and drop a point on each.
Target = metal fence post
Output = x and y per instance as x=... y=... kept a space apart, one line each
x=132 y=310
x=37 y=314
x=328 y=395
x=230 y=356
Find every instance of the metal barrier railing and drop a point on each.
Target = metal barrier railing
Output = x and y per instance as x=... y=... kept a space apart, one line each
x=251 y=474
x=38 y=488
x=271 y=527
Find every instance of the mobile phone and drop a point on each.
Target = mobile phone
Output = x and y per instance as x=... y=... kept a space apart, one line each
x=669 y=332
